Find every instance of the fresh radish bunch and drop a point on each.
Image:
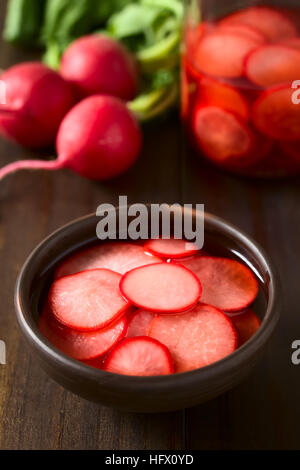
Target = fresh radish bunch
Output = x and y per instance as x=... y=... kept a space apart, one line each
x=36 y=100
x=98 y=64
x=99 y=139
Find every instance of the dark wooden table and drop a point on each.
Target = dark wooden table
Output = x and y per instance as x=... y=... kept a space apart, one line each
x=35 y=413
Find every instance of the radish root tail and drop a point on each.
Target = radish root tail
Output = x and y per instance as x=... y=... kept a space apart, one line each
x=30 y=165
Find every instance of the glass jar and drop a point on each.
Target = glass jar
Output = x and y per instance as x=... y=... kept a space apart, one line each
x=240 y=84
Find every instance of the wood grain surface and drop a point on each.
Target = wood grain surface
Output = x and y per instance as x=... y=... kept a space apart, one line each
x=35 y=413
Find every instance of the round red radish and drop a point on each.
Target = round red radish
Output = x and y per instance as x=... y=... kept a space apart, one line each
x=87 y=301
x=81 y=345
x=161 y=287
x=139 y=323
x=275 y=114
x=140 y=356
x=36 y=101
x=116 y=256
x=221 y=135
x=98 y=64
x=171 y=248
x=243 y=29
x=272 y=65
x=223 y=53
x=226 y=283
x=99 y=139
x=222 y=95
x=196 y=339
x=272 y=23
x=246 y=325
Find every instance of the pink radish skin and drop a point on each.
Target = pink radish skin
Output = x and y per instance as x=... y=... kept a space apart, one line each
x=99 y=139
x=98 y=64
x=37 y=99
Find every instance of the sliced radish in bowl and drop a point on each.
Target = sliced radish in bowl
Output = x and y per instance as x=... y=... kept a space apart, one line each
x=116 y=256
x=196 y=339
x=171 y=248
x=139 y=323
x=140 y=356
x=80 y=345
x=87 y=301
x=161 y=287
x=226 y=283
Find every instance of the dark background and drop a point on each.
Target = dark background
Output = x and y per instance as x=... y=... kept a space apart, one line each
x=35 y=413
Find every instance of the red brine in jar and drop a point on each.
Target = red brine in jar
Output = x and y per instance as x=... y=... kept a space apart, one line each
x=240 y=102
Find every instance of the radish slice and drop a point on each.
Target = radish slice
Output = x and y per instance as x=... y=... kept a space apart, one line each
x=80 y=345
x=227 y=284
x=194 y=34
x=196 y=339
x=89 y=300
x=243 y=29
x=140 y=356
x=161 y=287
x=273 y=24
x=272 y=65
x=171 y=248
x=246 y=325
x=223 y=53
x=116 y=256
x=139 y=323
x=215 y=93
x=275 y=114
x=222 y=135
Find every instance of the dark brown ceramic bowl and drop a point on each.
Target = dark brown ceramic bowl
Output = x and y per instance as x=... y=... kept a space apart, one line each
x=144 y=394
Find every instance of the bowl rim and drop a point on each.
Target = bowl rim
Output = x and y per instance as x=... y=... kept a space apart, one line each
x=236 y=359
